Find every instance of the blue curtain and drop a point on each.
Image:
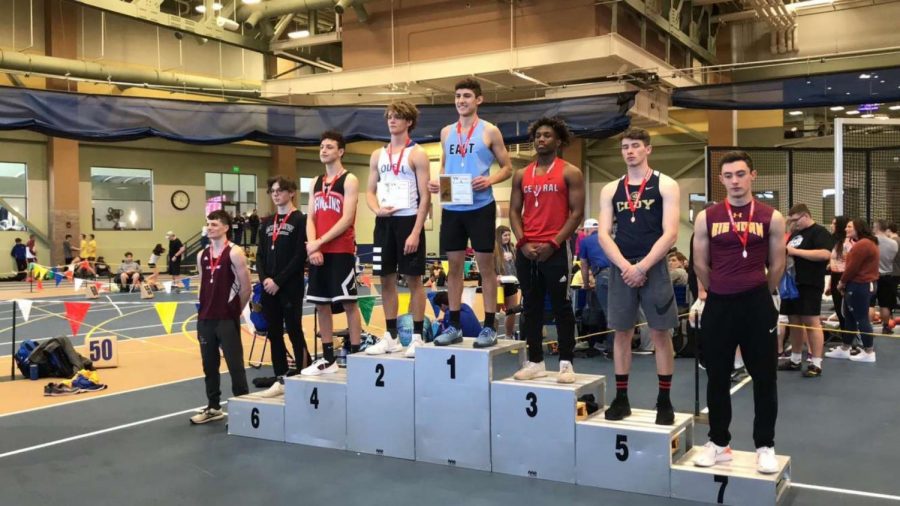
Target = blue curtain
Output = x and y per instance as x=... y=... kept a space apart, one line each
x=841 y=88
x=108 y=118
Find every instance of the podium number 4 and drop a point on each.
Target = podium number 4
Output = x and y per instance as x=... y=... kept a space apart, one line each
x=621 y=447
x=532 y=409
x=314 y=398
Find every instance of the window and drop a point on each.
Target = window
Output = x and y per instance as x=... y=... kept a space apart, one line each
x=122 y=199
x=235 y=193
x=303 y=193
x=13 y=190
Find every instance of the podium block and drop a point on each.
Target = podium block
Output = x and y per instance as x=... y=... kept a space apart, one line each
x=737 y=482
x=632 y=455
x=533 y=425
x=380 y=405
x=453 y=400
x=253 y=416
x=315 y=411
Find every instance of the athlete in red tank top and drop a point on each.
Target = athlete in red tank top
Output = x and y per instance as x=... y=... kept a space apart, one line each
x=545 y=207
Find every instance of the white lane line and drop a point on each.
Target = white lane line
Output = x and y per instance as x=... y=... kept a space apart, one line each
x=104 y=396
x=733 y=390
x=846 y=491
x=99 y=432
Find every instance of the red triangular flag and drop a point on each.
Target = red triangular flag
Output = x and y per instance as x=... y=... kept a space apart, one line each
x=99 y=285
x=75 y=312
x=40 y=285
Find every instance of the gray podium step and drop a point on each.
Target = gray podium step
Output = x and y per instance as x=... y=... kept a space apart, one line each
x=631 y=455
x=315 y=411
x=533 y=425
x=253 y=416
x=453 y=401
x=381 y=405
x=737 y=482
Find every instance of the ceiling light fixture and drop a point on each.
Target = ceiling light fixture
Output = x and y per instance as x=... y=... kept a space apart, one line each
x=796 y=113
x=807 y=4
x=298 y=34
x=250 y=2
x=865 y=76
x=894 y=107
x=522 y=75
x=201 y=9
x=852 y=113
x=837 y=108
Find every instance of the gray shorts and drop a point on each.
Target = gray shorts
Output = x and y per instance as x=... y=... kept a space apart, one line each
x=656 y=298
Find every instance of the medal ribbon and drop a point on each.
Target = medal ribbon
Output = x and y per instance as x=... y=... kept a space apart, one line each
x=632 y=205
x=276 y=228
x=536 y=188
x=396 y=170
x=463 y=147
x=214 y=261
x=746 y=237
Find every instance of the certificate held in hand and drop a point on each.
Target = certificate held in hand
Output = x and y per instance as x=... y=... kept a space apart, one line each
x=456 y=189
x=394 y=194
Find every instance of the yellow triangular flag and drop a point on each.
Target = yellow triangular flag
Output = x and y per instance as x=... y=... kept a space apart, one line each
x=166 y=312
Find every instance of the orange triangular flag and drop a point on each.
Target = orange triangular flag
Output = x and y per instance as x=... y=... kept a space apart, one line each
x=75 y=312
x=40 y=285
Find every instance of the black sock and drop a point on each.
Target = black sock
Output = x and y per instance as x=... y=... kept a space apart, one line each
x=665 y=384
x=418 y=327
x=328 y=352
x=354 y=348
x=489 y=319
x=392 y=327
x=622 y=385
x=455 y=318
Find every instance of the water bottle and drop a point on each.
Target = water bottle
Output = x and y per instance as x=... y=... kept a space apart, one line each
x=33 y=372
x=341 y=358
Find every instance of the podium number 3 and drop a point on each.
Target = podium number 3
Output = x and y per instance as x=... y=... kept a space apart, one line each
x=254 y=418
x=531 y=410
x=723 y=482
x=621 y=447
x=379 y=369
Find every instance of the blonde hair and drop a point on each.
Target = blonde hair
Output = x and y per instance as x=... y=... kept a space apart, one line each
x=405 y=110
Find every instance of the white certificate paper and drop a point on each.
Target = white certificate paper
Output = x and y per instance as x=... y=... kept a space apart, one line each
x=394 y=194
x=456 y=189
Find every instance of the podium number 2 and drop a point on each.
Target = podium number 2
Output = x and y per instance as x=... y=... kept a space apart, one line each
x=101 y=349
x=621 y=447
x=314 y=398
x=531 y=410
x=379 y=369
x=723 y=482
x=254 y=418
x=452 y=363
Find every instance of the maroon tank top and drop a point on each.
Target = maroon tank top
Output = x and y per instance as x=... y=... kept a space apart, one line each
x=730 y=272
x=219 y=299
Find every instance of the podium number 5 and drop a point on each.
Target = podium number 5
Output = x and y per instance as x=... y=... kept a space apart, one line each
x=621 y=447
x=531 y=410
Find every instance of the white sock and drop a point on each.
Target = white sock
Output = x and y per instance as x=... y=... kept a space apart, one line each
x=816 y=362
x=796 y=358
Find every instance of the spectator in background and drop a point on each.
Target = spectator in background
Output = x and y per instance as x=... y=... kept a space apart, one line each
x=470 y=326
x=238 y=227
x=437 y=278
x=887 y=283
x=153 y=263
x=505 y=266
x=82 y=268
x=836 y=264
x=594 y=262
x=860 y=270
x=18 y=253
x=253 y=225
x=83 y=248
x=677 y=273
x=809 y=248
x=176 y=255
x=92 y=244
x=101 y=267
x=68 y=249
x=129 y=272
x=31 y=249
x=204 y=236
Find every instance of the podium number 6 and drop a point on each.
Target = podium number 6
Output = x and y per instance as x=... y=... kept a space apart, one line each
x=254 y=418
x=621 y=447
x=532 y=409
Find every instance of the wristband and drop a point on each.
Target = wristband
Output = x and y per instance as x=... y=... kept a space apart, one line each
x=554 y=243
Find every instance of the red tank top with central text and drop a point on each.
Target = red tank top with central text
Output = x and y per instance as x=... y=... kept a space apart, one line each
x=730 y=272
x=545 y=206
x=219 y=299
x=328 y=208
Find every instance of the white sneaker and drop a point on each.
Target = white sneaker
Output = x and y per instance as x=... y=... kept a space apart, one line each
x=766 y=463
x=413 y=344
x=275 y=390
x=531 y=370
x=566 y=372
x=838 y=352
x=386 y=344
x=864 y=356
x=712 y=454
x=319 y=367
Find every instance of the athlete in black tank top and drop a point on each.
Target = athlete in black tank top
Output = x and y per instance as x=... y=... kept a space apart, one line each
x=637 y=231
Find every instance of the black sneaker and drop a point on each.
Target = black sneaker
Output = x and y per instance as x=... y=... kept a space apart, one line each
x=665 y=413
x=812 y=372
x=619 y=409
x=787 y=365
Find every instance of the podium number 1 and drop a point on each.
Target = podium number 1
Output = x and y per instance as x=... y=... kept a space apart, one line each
x=452 y=363
x=531 y=410
x=254 y=418
x=379 y=369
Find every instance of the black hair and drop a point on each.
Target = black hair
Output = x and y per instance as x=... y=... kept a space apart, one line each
x=736 y=156
x=469 y=84
x=220 y=216
x=441 y=299
x=335 y=136
x=159 y=250
x=559 y=128
x=284 y=183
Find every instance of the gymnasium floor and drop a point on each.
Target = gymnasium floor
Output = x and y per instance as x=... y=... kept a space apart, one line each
x=132 y=444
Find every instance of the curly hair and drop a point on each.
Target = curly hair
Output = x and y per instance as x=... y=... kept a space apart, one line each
x=559 y=128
